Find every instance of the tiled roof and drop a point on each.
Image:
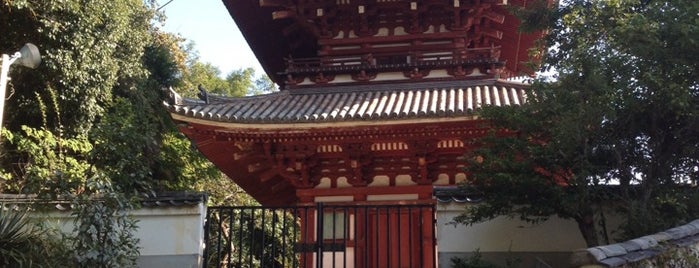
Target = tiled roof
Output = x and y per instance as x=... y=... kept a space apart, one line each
x=451 y=193
x=162 y=199
x=642 y=248
x=174 y=199
x=355 y=103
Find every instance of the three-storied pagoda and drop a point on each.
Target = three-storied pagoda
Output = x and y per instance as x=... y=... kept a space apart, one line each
x=376 y=102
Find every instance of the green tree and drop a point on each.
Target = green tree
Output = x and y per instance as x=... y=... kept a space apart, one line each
x=238 y=83
x=109 y=93
x=89 y=111
x=89 y=49
x=243 y=82
x=104 y=232
x=618 y=127
x=263 y=85
x=92 y=54
x=88 y=124
x=204 y=74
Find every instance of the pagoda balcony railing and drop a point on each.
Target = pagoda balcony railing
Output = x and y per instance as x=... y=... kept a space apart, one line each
x=393 y=61
x=357 y=2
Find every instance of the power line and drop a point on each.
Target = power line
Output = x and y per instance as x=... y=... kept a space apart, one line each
x=168 y=2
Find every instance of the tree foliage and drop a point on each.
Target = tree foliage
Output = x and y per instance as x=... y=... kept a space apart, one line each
x=619 y=126
x=89 y=49
x=104 y=232
x=88 y=124
x=102 y=83
x=238 y=83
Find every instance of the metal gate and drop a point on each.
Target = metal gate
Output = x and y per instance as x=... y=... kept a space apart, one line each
x=360 y=236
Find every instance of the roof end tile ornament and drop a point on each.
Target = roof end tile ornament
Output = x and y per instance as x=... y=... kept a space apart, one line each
x=174 y=98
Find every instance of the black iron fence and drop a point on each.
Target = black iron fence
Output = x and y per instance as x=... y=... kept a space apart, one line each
x=360 y=236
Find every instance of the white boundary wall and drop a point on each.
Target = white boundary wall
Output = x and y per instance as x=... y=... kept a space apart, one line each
x=551 y=241
x=170 y=236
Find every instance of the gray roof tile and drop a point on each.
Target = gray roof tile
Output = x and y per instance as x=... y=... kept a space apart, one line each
x=614 y=262
x=597 y=253
x=613 y=250
x=641 y=248
x=645 y=242
x=631 y=245
x=354 y=103
x=163 y=199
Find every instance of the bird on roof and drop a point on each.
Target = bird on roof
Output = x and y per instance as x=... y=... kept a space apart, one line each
x=203 y=95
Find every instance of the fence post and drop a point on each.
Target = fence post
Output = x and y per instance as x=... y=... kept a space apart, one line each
x=319 y=235
x=205 y=260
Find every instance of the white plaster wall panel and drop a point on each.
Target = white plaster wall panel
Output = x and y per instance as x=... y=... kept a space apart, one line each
x=503 y=234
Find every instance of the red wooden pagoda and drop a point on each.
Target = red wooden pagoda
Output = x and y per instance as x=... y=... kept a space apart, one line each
x=377 y=97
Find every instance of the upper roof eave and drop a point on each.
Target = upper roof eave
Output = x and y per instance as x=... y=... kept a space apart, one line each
x=267 y=39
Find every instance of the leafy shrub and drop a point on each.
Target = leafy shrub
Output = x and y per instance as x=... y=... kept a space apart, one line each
x=23 y=243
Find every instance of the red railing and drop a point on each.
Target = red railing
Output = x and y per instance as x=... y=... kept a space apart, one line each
x=393 y=59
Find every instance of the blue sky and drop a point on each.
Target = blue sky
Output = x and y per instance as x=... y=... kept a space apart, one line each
x=214 y=33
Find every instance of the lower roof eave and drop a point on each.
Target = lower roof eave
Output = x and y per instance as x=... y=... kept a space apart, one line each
x=293 y=127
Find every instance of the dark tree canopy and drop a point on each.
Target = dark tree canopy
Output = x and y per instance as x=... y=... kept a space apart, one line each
x=617 y=128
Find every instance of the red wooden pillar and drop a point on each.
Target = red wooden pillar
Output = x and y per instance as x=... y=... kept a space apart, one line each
x=360 y=238
x=428 y=238
x=307 y=239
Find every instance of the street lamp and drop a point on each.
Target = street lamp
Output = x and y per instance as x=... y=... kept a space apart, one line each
x=27 y=56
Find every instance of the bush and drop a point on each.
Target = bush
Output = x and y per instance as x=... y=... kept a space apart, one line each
x=23 y=243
